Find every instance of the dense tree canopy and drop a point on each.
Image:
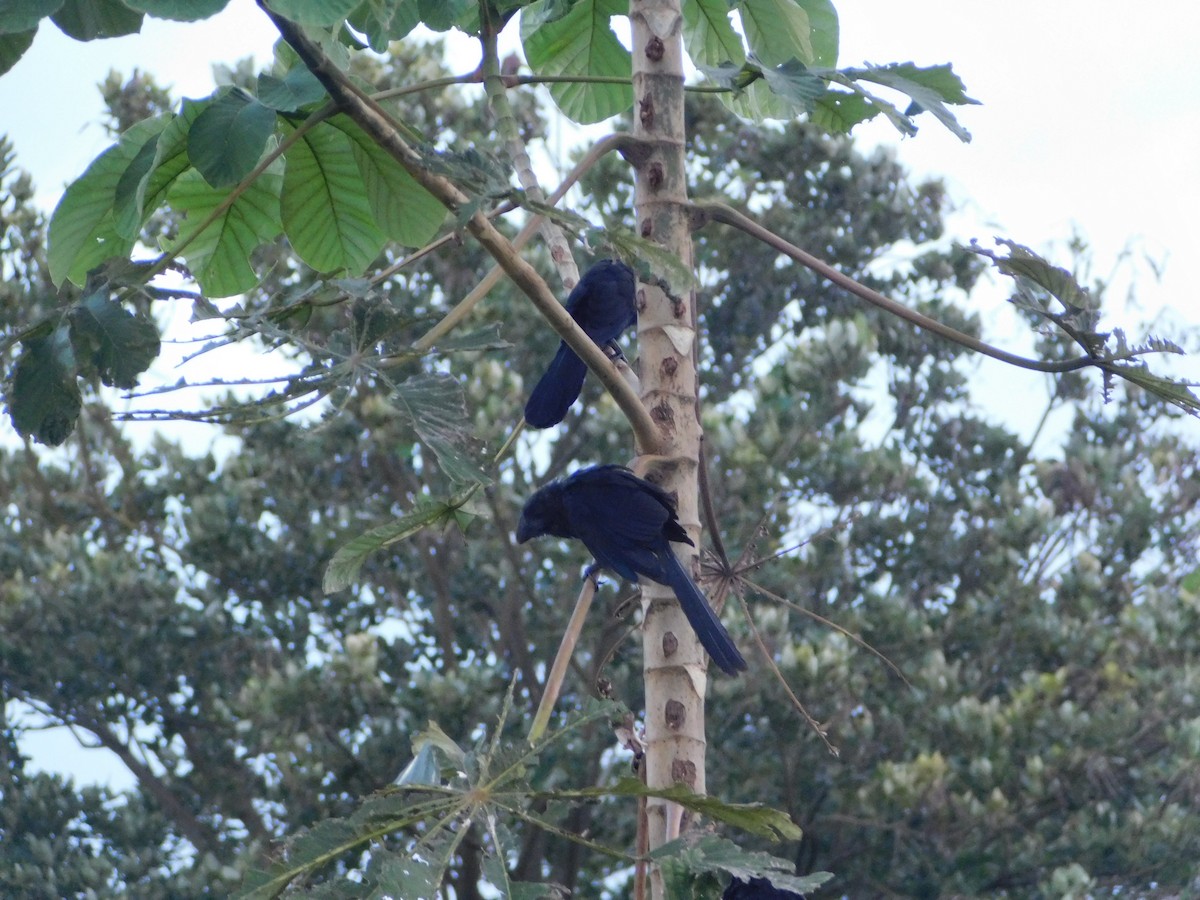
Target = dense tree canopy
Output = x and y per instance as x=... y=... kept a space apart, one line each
x=997 y=644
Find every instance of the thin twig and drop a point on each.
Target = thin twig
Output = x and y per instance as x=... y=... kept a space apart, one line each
x=812 y=722
x=566 y=650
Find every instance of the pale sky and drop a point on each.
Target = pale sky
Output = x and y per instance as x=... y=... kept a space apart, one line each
x=1090 y=123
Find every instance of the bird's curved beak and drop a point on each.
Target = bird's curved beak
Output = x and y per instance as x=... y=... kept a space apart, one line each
x=525 y=530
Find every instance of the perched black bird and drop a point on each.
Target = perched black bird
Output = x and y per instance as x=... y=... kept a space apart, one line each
x=603 y=305
x=628 y=524
x=757 y=889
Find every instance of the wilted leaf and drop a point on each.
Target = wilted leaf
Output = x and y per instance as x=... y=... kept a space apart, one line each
x=437 y=408
x=43 y=394
x=110 y=342
x=930 y=87
x=794 y=82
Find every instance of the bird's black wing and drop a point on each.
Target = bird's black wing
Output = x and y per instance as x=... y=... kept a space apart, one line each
x=617 y=519
x=624 y=521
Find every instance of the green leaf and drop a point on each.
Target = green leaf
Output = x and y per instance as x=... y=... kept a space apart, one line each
x=219 y=259
x=83 y=228
x=384 y=21
x=726 y=74
x=708 y=35
x=398 y=876
x=931 y=88
x=86 y=20
x=25 y=15
x=346 y=563
x=438 y=410
x=794 y=82
x=110 y=342
x=170 y=158
x=1022 y=262
x=228 y=138
x=314 y=12
x=707 y=853
x=752 y=817
x=325 y=208
x=824 y=33
x=1177 y=393
x=43 y=395
x=580 y=44
x=485 y=338
x=778 y=30
x=179 y=10
x=297 y=89
x=13 y=47
x=403 y=210
x=442 y=15
x=127 y=211
x=838 y=111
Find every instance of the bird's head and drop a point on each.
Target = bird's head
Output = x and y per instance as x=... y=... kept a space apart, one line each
x=543 y=514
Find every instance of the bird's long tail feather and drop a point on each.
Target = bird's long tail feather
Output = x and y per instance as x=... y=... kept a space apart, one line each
x=557 y=390
x=702 y=618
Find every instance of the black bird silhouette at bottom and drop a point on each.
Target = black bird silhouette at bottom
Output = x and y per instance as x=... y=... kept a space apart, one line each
x=757 y=889
x=628 y=524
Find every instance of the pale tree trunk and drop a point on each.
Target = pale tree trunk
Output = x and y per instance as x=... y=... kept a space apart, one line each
x=674 y=661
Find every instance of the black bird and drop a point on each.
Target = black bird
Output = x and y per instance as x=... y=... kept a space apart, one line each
x=757 y=889
x=603 y=305
x=628 y=524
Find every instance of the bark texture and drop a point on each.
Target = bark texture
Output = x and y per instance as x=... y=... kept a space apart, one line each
x=674 y=661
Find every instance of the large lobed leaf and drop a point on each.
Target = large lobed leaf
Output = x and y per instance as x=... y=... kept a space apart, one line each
x=219 y=256
x=324 y=204
x=405 y=211
x=579 y=44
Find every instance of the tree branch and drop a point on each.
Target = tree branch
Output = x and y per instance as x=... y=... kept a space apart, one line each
x=727 y=215
x=368 y=115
